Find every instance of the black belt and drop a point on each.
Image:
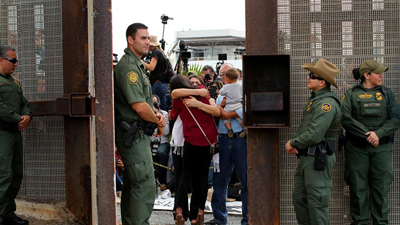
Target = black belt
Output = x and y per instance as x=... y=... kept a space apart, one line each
x=362 y=142
x=385 y=140
x=6 y=126
x=304 y=151
x=235 y=135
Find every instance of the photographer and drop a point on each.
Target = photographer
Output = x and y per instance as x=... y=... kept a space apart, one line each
x=157 y=66
x=160 y=146
x=208 y=75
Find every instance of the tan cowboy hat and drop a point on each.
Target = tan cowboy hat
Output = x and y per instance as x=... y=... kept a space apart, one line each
x=323 y=69
x=153 y=41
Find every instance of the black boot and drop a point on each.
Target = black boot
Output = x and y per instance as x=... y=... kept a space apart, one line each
x=15 y=221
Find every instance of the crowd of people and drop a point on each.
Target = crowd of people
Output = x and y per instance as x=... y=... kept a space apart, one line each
x=197 y=120
x=204 y=127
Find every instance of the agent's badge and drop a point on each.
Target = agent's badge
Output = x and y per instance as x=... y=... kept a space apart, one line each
x=378 y=96
x=16 y=82
x=309 y=107
x=326 y=107
x=133 y=77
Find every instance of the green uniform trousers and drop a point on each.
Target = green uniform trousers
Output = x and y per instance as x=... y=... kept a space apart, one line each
x=139 y=185
x=311 y=191
x=369 y=173
x=11 y=171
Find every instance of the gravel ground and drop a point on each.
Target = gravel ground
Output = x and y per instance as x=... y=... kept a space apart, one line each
x=165 y=218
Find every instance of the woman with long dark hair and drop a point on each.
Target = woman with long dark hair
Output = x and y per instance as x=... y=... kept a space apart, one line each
x=370 y=115
x=196 y=149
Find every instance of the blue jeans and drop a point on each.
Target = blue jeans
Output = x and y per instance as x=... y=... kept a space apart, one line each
x=118 y=181
x=210 y=174
x=232 y=154
x=162 y=158
x=161 y=89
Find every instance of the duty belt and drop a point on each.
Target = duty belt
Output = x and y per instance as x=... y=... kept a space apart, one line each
x=362 y=142
x=305 y=151
x=6 y=126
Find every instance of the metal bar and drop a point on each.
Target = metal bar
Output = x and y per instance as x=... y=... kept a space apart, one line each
x=93 y=155
x=103 y=65
x=76 y=105
x=43 y=108
x=77 y=140
x=263 y=144
x=263 y=176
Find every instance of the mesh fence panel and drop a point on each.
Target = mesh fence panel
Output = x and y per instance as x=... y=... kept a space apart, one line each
x=33 y=28
x=345 y=32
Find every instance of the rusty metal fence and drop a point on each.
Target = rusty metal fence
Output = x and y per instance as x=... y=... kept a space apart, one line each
x=33 y=28
x=345 y=32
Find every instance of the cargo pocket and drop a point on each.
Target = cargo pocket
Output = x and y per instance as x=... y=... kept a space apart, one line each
x=141 y=171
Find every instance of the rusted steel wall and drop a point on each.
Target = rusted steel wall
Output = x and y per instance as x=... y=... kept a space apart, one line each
x=263 y=144
x=75 y=70
x=104 y=106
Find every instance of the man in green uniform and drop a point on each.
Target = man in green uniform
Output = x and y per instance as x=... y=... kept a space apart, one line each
x=133 y=103
x=314 y=144
x=370 y=117
x=15 y=116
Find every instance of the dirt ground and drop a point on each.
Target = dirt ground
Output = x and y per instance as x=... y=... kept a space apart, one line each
x=33 y=221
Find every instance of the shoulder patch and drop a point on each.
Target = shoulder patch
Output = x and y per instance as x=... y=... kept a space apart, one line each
x=16 y=82
x=378 y=96
x=133 y=77
x=326 y=107
x=309 y=107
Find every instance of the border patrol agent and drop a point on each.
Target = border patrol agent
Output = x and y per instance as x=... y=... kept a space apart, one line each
x=15 y=116
x=370 y=117
x=314 y=144
x=133 y=103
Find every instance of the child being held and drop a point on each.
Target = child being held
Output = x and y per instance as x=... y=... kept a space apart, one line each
x=232 y=91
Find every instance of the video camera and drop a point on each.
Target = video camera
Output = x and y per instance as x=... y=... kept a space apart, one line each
x=221 y=57
x=184 y=56
x=208 y=77
x=183 y=50
x=147 y=58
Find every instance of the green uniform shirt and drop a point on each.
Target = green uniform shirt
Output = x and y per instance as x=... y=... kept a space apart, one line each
x=366 y=110
x=12 y=102
x=130 y=85
x=321 y=119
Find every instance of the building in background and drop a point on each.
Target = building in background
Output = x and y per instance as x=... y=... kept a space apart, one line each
x=205 y=45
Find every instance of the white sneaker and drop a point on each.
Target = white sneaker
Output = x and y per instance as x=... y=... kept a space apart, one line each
x=166 y=194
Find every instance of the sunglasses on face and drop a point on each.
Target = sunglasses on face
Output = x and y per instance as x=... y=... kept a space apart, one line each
x=313 y=77
x=11 y=60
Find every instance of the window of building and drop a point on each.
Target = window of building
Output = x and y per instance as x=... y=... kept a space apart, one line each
x=316 y=39
x=347 y=5
x=347 y=37
x=315 y=5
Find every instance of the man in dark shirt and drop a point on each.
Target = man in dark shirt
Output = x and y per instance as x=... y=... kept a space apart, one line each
x=157 y=67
